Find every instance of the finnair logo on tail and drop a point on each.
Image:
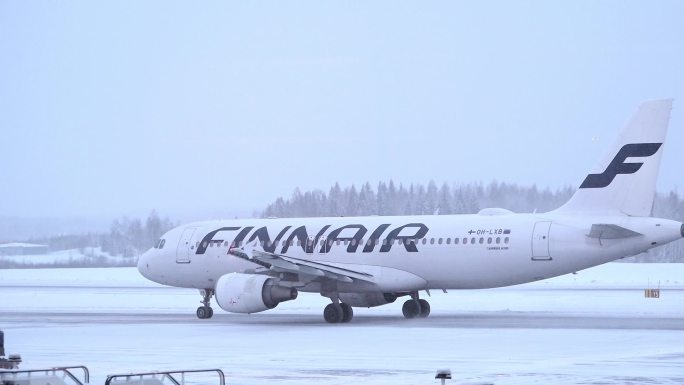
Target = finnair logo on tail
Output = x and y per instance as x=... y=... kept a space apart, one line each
x=618 y=165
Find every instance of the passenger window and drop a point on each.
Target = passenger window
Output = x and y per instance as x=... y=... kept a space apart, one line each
x=472 y=240
x=353 y=242
x=448 y=241
x=481 y=240
x=440 y=241
x=204 y=244
x=489 y=240
x=360 y=241
x=465 y=241
x=424 y=241
x=506 y=240
x=498 y=240
x=432 y=241
x=455 y=241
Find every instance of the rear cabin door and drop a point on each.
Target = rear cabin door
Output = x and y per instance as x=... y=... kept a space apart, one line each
x=540 y=241
x=184 y=244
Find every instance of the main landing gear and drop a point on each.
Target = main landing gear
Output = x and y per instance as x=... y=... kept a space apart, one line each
x=337 y=312
x=205 y=311
x=416 y=307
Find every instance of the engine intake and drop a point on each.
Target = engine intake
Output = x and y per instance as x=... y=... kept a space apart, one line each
x=251 y=293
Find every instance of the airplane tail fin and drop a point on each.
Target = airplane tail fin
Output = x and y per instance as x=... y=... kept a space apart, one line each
x=624 y=181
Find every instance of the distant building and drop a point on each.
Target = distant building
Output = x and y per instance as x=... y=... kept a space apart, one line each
x=22 y=249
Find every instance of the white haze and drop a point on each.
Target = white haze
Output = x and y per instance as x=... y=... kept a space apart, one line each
x=215 y=109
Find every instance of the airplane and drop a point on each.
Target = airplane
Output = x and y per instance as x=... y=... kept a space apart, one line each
x=252 y=265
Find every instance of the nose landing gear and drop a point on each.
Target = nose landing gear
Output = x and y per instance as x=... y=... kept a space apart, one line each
x=205 y=311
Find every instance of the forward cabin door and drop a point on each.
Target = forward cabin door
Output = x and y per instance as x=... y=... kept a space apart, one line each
x=184 y=245
x=540 y=241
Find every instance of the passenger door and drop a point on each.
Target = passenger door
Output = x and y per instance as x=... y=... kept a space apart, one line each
x=184 y=245
x=540 y=241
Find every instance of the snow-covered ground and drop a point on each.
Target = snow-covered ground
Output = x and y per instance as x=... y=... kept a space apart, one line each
x=595 y=327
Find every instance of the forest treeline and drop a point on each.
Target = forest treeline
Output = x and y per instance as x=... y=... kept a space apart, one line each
x=388 y=198
x=127 y=238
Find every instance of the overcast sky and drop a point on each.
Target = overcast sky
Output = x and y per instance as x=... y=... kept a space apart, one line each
x=113 y=108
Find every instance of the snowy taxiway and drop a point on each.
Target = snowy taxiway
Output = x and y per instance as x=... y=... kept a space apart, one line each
x=595 y=327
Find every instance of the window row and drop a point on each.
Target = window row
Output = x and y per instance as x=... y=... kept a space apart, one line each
x=464 y=241
x=374 y=242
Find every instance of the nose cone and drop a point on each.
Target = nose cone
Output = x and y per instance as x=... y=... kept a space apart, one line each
x=144 y=264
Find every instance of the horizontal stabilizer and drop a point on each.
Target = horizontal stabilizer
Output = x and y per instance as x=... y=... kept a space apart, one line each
x=610 y=231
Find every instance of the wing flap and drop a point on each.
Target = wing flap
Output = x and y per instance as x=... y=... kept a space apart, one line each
x=286 y=264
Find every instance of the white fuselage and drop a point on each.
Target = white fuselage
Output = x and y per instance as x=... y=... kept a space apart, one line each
x=432 y=252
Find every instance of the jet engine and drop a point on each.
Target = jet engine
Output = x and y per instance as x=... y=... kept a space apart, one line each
x=367 y=299
x=250 y=293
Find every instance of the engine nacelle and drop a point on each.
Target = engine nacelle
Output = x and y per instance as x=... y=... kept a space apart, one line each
x=250 y=293
x=367 y=299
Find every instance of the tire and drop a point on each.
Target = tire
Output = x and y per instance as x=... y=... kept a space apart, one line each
x=211 y=312
x=410 y=309
x=424 y=308
x=333 y=313
x=347 y=312
x=202 y=312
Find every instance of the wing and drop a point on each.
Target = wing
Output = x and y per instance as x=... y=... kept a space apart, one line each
x=279 y=263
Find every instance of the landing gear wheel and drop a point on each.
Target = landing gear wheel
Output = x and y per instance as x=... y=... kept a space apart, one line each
x=411 y=309
x=347 y=312
x=204 y=312
x=333 y=313
x=424 y=308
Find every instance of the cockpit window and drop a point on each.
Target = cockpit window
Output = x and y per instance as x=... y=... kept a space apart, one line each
x=160 y=244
